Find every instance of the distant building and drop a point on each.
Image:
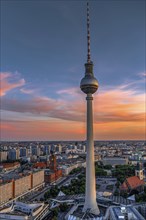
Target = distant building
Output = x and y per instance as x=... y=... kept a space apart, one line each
x=14 y=154
x=21 y=211
x=21 y=185
x=52 y=176
x=97 y=157
x=67 y=168
x=41 y=165
x=53 y=173
x=59 y=148
x=23 y=152
x=3 y=155
x=10 y=166
x=125 y=213
x=114 y=161
x=52 y=162
x=35 y=150
x=83 y=148
x=46 y=149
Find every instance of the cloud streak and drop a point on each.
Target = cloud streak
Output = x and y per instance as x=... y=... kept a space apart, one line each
x=9 y=81
x=27 y=91
x=114 y=105
x=142 y=74
x=118 y=112
x=44 y=106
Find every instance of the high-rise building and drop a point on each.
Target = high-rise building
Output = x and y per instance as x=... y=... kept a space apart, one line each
x=47 y=149
x=35 y=150
x=23 y=152
x=58 y=148
x=89 y=86
x=14 y=154
x=3 y=155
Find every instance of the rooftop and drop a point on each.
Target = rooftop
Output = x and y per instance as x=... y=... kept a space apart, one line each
x=118 y=213
x=132 y=182
x=78 y=214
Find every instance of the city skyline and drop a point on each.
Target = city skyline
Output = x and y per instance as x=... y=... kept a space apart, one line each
x=42 y=61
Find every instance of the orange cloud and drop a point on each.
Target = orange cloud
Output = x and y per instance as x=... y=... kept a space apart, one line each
x=6 y=85
x=119 y=105
x=44 y=106
x=120 y=131
x=119 y=113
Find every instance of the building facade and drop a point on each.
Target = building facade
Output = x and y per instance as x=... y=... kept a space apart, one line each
x=19 y=186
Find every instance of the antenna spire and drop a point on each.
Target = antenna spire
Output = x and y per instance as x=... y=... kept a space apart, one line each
x=88 y=35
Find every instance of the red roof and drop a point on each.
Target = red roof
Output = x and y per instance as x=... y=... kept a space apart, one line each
x=9 y=165
x=40 y=165
x=132 y=182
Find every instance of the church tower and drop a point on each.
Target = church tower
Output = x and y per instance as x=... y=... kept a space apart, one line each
x=52 y=162
x=139 y=171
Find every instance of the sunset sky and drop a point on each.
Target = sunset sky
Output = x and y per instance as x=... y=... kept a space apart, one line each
x=43 y=51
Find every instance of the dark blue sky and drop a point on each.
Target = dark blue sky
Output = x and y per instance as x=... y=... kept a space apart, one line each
x=43 y=43
x=46 y=40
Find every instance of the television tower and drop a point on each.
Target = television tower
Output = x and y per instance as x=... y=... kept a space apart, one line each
x=89 y=85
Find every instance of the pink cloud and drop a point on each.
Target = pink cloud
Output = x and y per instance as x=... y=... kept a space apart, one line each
x=7 y=84
x=119 y=113
x=114 y=105
x=119 y=105
x=44 y=106
x=70 y=91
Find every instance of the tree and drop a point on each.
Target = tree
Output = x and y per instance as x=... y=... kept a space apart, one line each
x=123 y=171
x=77 y=186
x=100 y=172
x=55 y=212
x=124 y=194
x=116 y=193
x=108 y=167
x=63 y=207
x=76 y=170
x=117 y=184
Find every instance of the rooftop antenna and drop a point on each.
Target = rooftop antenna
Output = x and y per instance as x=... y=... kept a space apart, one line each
x=88 y=35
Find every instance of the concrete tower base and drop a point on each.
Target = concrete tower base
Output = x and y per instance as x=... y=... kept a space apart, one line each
x=94 y=209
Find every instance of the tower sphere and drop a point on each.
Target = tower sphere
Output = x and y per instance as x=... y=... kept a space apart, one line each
x=89 y=83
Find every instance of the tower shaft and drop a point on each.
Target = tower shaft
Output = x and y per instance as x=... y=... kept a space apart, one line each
x=89 y=86
x=90 y=196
